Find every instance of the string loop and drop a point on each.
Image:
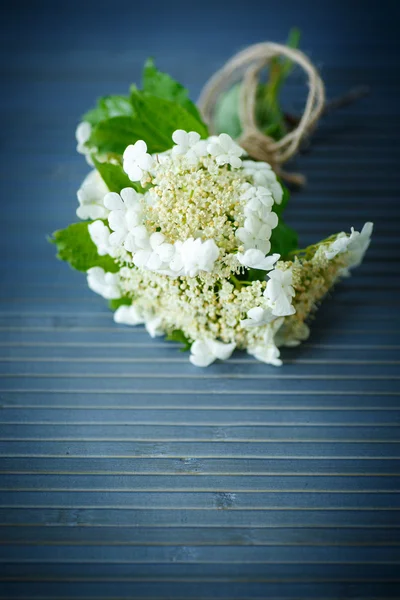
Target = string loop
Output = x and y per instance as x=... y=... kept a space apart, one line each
x=260 y=146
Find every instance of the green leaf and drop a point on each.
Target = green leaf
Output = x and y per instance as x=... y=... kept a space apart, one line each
x=270 y=114
x=284 y=239
x=292 y=42
x=117 y=302
x=75 y=246
x=107 y=108
x=119 y=121
x=162 y=117
x=177 y=335
x=115 y=177
x=226 y=115
x=115 y=134
x=164 y=86
x=255 y=275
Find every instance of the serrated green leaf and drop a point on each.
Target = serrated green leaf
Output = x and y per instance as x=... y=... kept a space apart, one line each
x=119 y=121
x=162 y=117
x=75 y=246
x=164 y=86
x=177 y=335
x=115 y=177
x=117 y=302
x=115 y=134
x=107 y=108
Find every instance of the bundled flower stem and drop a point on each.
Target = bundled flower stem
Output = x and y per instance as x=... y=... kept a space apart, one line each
x=184 y=232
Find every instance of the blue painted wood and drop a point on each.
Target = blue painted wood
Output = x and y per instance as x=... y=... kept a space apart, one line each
x=127 y=473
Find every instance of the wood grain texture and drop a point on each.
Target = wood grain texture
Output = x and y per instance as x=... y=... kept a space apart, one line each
x=127 y=473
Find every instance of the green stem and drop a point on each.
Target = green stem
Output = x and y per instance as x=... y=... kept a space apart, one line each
x=238 y=283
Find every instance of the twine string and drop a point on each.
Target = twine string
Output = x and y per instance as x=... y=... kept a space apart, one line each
x=260 y=146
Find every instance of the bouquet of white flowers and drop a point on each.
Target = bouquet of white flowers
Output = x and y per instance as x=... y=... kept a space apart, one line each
x=183 y=232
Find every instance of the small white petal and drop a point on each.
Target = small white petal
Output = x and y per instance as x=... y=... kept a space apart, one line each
x=154 y=262
x=221 y=350
x=235 y=162
x=256 y=313
x=255 y=259
x=179 y=137
x=113 y=201
x=165 y=252
x=156 y=239
x=141 y=257
x=128 y=315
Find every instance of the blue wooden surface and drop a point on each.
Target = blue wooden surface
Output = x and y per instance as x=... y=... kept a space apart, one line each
x=125 y=471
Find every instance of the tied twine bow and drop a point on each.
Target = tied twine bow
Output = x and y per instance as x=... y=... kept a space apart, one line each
x=259 y=145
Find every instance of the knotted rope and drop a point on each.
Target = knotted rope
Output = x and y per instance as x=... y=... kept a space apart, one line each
x=258 y=145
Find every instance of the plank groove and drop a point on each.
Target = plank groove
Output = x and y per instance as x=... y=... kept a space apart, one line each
x=124 y=471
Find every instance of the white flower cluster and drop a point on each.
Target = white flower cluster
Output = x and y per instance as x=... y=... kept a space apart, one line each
x=222 y=220
x=149 y=250
x=260 y=220
x=204 y=215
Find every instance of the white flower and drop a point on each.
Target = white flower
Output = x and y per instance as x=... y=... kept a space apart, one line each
x=255 y=259
x=189 y=145
x=262 y=174
x=82 y=134
x=181 y=258
x=267 y=354
x=129 y=315
x=162 y=251
x=355 y=245
x=125 y=219
x=90 y=197
x=259 y=220
x=153 y=326
x=176 y=263
x=338 y=246
x=198 y=256
x=138 y=240
x=266 y=351
x=136 y=160
x=259 y=202
x=105 y=284
x=205 y=352
x=254 y=234
x=132 y=315
x=257 y=196
x=358 y=245
x=279 y=292
x=100 y=235
x=257 y=317
x=225 y=151
x=156 y=255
